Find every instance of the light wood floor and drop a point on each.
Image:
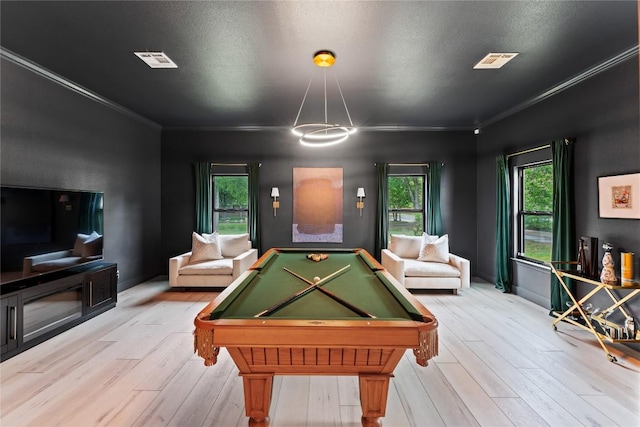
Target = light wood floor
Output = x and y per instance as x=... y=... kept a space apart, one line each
x=500 y=363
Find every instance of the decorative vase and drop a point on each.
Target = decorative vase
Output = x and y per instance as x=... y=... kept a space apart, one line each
x=582 y=259
x=626 y=268
x=608 y=275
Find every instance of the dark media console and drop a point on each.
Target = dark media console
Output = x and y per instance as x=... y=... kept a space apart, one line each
x=37 y=308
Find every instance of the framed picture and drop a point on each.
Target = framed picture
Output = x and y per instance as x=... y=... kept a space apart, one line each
x=619 y=196
x=317 y=205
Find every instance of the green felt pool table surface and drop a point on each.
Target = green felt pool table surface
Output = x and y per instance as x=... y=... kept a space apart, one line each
x=360 y=284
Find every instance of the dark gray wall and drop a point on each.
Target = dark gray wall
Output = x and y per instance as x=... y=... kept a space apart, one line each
x=53 y=137
x=279 y=152
x=603 y=115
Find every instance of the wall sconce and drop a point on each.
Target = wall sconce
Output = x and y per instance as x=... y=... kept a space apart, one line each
x=275 y=193
x=64 y=200
x=360 y=195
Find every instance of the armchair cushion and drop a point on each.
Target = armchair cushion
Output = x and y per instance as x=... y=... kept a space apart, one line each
x=55 y=264
x=215 y=267
x=414 y=268
x=51 y=261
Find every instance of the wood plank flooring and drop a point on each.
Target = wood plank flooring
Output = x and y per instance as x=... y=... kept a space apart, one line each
x=500 y=364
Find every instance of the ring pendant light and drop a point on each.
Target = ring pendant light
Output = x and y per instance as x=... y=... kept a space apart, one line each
x=323 y=134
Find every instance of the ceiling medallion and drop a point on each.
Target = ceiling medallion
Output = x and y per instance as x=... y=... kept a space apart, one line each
x=323 y=134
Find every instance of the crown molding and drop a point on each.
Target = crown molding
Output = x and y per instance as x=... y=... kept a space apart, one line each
x=62 y=81
x=409 y=128
x=261 y=128
x=579 y=78
x=239 y=128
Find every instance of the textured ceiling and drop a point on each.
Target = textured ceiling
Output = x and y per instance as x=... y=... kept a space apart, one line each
x=244 y=64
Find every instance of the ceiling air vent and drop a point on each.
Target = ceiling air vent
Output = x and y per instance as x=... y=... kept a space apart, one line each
x=156 y=59
x=494 y=60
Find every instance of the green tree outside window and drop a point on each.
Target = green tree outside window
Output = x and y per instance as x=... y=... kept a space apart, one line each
x=230 y=203
x=406 y=204
x=536 y=208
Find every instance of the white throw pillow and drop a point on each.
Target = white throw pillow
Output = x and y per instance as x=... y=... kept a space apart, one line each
x=405 y=246
x=205 y=248
x=435 y=250
x=232 y=245
x=92 y=246
x=428 y=238
x=77 y=246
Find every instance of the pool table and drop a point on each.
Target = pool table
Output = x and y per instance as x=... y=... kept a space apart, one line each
x=291 y=315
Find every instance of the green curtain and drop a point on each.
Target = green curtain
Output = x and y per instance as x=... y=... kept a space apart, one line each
x=254 y=205
x=203 y=197
x=382 y=218
x=503 y=225
x=91 y=213
x=434 y=216
x=563 y=230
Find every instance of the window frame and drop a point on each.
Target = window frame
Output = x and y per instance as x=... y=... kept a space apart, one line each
x=422 y=211
x=521 y=213
x=243 y=212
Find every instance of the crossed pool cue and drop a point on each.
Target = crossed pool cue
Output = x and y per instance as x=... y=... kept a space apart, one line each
x=311 y=287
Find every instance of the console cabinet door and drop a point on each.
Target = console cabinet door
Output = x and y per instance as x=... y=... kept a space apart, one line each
x=9 y=324
x=101 y=288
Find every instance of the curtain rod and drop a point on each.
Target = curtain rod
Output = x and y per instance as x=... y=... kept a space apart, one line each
x=530 y=150
x=233 y=164
x=407 y=164
x=567 y=141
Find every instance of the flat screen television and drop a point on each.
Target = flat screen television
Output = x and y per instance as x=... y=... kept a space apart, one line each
x=45 y=230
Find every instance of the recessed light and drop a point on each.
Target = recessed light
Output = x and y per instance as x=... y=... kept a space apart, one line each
x=156 y=59
x=494 y=60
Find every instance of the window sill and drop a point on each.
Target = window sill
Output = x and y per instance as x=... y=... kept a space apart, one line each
x=530 y=264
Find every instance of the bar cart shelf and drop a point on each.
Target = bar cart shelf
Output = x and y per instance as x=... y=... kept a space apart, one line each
x=577 y=316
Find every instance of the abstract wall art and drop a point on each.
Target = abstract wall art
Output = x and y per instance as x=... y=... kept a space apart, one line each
x=317 y=205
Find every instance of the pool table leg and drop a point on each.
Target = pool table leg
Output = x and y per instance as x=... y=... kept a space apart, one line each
x=257 y=398
x=373 y=398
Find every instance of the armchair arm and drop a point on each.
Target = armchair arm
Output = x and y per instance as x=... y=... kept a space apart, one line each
x=394 y=265
x=243 y=261
x=464 y=266
x=30 y=261
x=175 y=264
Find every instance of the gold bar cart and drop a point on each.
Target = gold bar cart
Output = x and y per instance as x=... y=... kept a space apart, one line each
x=588 y=325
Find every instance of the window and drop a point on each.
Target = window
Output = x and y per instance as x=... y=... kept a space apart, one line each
x=406 y=204
x=230 y=203
x=535 y=208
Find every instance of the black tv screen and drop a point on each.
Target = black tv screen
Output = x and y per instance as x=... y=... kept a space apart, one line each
x=44 y=230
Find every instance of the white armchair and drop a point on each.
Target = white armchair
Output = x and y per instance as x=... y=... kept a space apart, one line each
x=237 y=257
x=401 y=261
x=87 y=247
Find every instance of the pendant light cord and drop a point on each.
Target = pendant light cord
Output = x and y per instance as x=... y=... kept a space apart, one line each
x=305 y=97
x=343 y=101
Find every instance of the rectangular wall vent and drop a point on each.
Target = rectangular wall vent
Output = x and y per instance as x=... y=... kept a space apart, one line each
x=494 y=61
x=156 y=59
